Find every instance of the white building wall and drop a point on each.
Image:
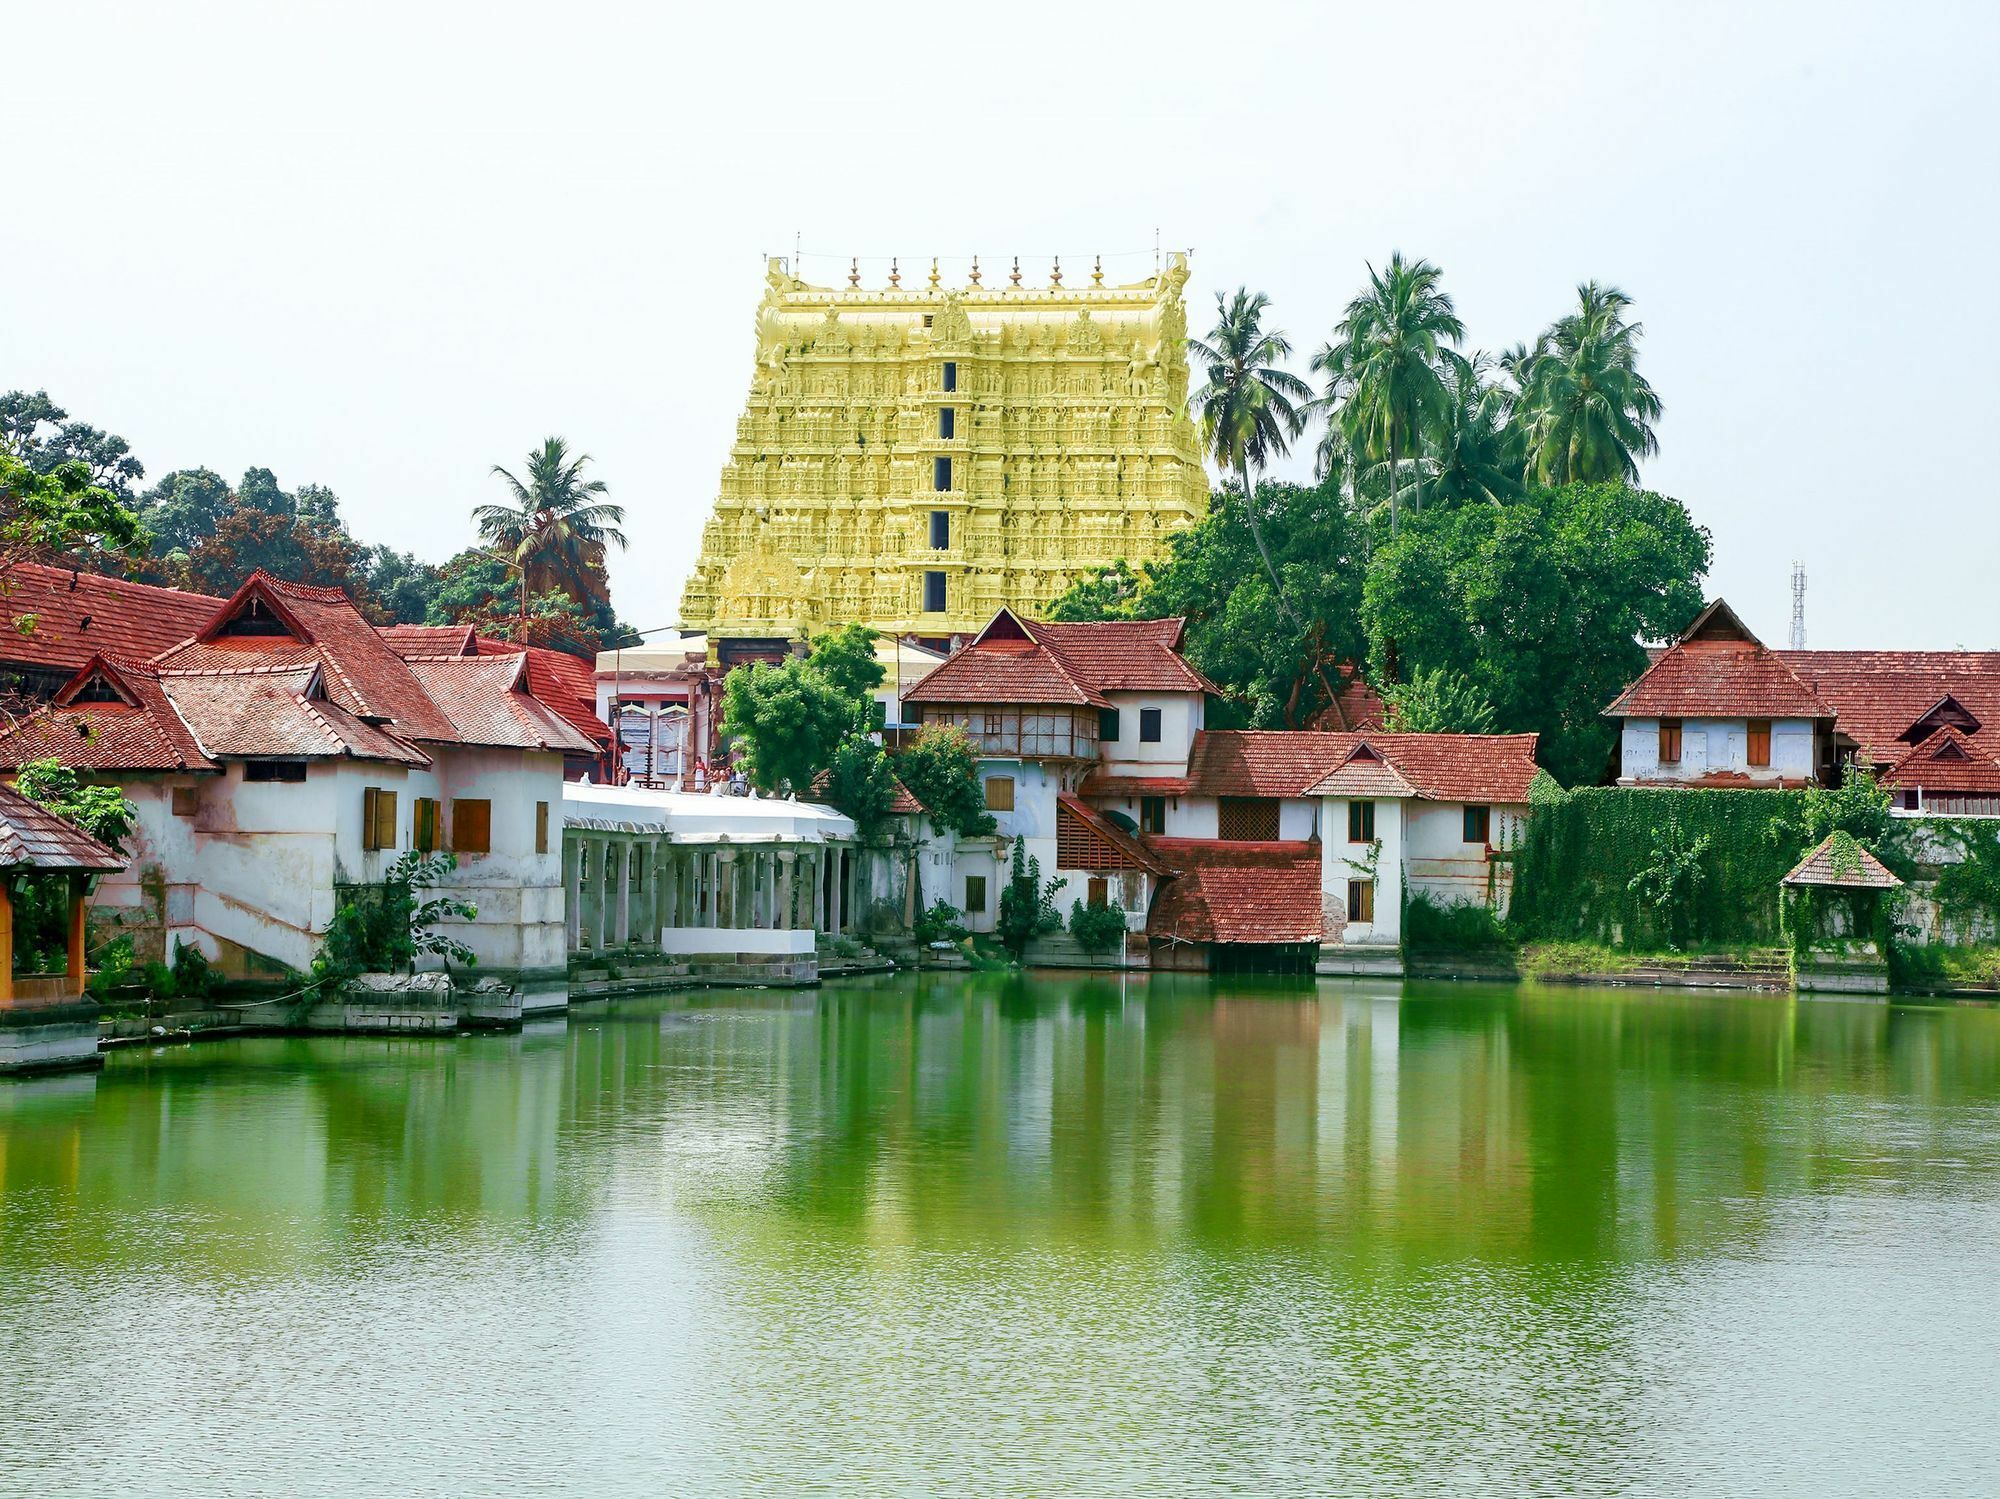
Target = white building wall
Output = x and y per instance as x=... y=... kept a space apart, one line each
x=1443 y=866
x=1341 y=861
x=1714 y=745
x=1181 y=715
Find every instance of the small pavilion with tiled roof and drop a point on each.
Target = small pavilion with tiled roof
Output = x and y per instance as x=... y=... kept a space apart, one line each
x=47 y=866
x=1835 y=903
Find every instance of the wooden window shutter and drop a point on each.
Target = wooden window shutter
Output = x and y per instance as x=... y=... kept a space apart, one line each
x=1000 y=793
x=424 y=824
x=378 y=818
x=541 y=827
x=472 y=826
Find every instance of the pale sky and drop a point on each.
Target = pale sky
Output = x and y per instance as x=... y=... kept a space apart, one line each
x=382 y=247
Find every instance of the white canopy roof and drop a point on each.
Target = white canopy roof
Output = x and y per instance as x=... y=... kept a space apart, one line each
x=693 y=817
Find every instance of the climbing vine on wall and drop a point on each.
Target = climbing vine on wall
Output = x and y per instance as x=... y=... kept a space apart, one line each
x=1653 y=867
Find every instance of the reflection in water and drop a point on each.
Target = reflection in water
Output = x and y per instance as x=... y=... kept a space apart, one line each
x=1020 y=1234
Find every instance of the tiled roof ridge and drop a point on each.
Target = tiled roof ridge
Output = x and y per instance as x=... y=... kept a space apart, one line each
x=53 y=569
x=312 y=711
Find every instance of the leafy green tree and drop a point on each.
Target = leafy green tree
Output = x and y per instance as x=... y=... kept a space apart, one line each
x=1387 y=369
x=846 y=658
x=1671 y=879
x=942 y=771
x=101 y=811
x=1437 y=701
x=1541 y=605
x=1027 y=907
x=1277 y=674
x=789 y=719
x=1249 y=408
x=58 y=516
x=183 y=507
x=1857 y=806
x=1103 y=593
x=403 y=586
x=555 y=526
x=860 y=783
x=40 y=434
x=1588 y=411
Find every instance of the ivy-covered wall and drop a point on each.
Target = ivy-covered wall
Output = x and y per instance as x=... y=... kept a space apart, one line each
x=1652 y=867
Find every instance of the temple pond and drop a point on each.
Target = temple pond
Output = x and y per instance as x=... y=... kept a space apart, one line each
x=1006 y=1235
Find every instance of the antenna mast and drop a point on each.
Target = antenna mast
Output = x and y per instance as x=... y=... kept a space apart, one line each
x=1798 y=606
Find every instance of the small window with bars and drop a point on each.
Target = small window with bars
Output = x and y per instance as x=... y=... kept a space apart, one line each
x=1246 y=819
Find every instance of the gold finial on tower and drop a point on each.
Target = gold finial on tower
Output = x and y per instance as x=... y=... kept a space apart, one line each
x=1015 y=274
x=854 y=270
x=1055 y=276
x=934 y=273
x=895 y=272
x=1097 y=271
x=975 y=270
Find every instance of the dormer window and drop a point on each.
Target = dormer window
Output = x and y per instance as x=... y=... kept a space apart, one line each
x=98 y=690
x=254 y=618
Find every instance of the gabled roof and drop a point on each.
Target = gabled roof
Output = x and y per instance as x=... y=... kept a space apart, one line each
x=1263 y=762
x=1879 y=697
x=33 y=837
x=1014 y=660
x=1237 y=892
x=1721 y=672
x=1839 y=862
x=1289 y=763
x=430 y=640
x=281 y=713
x=1087 y=839
x=78 y=615
x=364 y=674
x=1946 y=761
x=487 y=701
x=566 y=683
x=140 y=732
x=1365 y=773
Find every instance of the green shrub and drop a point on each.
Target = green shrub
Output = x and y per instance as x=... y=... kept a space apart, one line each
x=1027 y=906
x=193 y=977
x=939 y=922
x=1446 y=926
x=1097 y=928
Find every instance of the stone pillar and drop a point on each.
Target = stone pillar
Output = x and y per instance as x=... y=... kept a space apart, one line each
x=767 y=889
x=837 y=918
x=621 y=926
x=663 y=888
x=787 y=914
x=725 y=874
x=573 y=890
x=600 y=930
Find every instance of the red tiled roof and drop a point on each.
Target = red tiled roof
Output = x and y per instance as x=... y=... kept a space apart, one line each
x=1087 y=839
x=1123 y=655
x=1295 y=763
x=142 y=732
x=1719 y=679
x=1850 y=867
x=566 y=683
x=1877 y=696
x=33 y=837
x=488 y=702
x=79 y=615
x=1263 y=762
x=1014 y=660
x=277 y=714
x=363 y=674
x=1361 y=704
x=1237 y=892
x=430 y=640
x=1946 y=761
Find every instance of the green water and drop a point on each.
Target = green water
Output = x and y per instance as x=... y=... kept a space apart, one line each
x=1000 y=1236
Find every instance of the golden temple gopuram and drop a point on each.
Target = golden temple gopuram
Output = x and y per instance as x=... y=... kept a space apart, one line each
x=914 y=458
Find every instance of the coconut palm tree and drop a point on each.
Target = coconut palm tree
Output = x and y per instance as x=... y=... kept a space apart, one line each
x=1476 y=451
x=1588 y=411
x=1385 y=370
x=1249 y=408
x=556 y=529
